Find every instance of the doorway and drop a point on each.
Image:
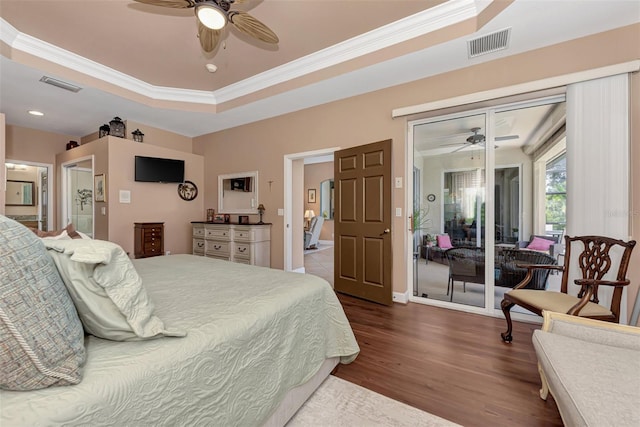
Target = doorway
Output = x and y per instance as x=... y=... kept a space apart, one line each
x=38 y=212
x=77 y=195
x=473 y=204
x=295 y=198
x=318 y=202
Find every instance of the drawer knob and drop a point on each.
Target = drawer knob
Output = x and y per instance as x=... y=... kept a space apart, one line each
x=242 y=249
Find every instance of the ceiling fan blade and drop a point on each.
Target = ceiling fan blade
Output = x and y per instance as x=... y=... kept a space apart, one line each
x=506 y=137
x=251 y=26
x=176 y=4
x=455 y=143
x=208 y=38
x=461 y=148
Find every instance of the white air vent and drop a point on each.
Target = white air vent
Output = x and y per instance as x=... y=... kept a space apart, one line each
x=489 y=43
x=60 y=84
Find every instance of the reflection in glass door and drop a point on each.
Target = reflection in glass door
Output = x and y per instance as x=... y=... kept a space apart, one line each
x=480 y=192
x=78 y=196
x=449 y=211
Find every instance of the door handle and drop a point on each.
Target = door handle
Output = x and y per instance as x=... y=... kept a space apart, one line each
x=386 y=231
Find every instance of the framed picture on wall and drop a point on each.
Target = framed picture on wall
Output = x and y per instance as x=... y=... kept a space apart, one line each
x=100 y=188
x=311 y=195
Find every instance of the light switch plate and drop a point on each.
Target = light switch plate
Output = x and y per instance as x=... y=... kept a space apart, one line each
x=398 y=211
x=280 y=212
x=125 y=196
x=398 y=182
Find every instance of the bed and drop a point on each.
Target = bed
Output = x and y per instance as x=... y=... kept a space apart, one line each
x=258 y=342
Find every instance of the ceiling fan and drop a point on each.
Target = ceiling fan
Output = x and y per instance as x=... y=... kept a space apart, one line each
x=213 y=16
x=478 y=139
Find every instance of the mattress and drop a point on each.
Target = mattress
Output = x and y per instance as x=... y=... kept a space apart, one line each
x=253 y=334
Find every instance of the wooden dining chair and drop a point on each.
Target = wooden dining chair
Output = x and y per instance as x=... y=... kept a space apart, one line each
x=593 y=261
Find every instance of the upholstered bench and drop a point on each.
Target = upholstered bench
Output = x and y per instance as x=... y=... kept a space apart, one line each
x=591 y=368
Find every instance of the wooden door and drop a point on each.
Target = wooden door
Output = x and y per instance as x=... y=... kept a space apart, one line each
x=363 y=257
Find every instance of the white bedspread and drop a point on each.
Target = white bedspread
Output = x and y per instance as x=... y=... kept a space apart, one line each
x=252 y=334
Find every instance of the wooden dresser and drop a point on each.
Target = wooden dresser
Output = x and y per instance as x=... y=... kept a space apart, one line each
x=243 y=243
x=148 y=239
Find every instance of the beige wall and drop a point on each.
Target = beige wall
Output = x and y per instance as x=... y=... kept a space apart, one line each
x=314 y=174
x=367 y=118
x=150 y=202
x=31 y=145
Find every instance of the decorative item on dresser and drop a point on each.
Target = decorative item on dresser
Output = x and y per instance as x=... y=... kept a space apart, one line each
x=148 y=239
x=243 y=243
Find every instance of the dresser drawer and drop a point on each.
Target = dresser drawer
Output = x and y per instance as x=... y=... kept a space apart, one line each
x=198 y=232
x=241 y=250
x=242 y=261
x=217 y=248
x=198 y=246
x=216 y=233
x=244 y=235
x=151 y=237
x=152 y=250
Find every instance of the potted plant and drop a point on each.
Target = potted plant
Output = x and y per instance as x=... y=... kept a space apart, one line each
x=431 y=240
x=421 y=222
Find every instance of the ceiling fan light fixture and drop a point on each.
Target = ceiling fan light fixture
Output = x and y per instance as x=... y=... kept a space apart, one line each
x=211 y=15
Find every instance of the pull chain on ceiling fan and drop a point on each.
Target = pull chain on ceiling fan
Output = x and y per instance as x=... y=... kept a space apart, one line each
x=213 y=16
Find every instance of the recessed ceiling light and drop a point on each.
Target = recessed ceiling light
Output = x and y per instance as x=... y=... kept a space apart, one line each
x=211 y=68
x=36 y=113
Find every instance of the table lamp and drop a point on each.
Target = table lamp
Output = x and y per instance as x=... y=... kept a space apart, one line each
x=261 y=211
x=308 y=214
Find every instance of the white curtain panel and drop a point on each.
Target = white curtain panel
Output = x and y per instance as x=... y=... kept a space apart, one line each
x=598 y=156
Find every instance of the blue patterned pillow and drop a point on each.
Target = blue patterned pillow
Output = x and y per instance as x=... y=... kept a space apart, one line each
x=41 y=334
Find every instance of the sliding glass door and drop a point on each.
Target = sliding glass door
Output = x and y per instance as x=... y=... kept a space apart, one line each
x=449 y=156
x=478 y=194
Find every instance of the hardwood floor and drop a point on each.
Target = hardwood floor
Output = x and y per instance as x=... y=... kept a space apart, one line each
x=449 y=363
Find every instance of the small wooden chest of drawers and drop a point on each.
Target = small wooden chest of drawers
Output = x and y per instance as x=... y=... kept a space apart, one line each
x=149 y=239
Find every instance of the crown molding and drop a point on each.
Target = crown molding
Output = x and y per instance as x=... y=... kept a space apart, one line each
x=443 y=15
x=421 y=23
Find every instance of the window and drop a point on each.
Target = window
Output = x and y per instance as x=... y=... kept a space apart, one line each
x=556 y=194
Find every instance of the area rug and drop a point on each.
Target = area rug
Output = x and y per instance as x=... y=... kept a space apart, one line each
x=320 y=247
x=338 y=403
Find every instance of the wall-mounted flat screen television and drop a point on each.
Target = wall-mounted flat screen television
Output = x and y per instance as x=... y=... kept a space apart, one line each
x=155 y=169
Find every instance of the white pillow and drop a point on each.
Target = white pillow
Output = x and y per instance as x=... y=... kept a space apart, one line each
x=107 y=290
x=82 y=235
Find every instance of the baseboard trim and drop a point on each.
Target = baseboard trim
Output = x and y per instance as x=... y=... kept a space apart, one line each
x=326 y=242
x=401 y=297
x=299 y=270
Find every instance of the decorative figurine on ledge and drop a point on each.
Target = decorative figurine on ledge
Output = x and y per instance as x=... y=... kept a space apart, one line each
x=137 y=135
x=104 y=130
x=261 y=211
x=117 y=128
